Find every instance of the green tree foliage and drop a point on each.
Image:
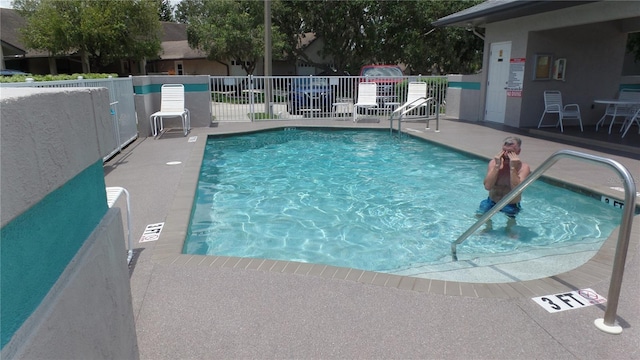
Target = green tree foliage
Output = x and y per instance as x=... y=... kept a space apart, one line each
x=228 y=29
x=165 y=10
x=99 y=31
x=359 y=32
x=412 y=40
x=354 y=32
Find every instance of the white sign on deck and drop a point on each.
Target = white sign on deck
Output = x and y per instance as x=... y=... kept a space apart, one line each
x=569 y=300
x=152 y=232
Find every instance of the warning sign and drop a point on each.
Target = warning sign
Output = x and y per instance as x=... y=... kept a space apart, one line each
x=152 y=232
x=569 y=300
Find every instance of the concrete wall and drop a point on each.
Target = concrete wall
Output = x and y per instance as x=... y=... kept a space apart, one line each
x=148 y=99
x=65 y=287
x=463 y=97
x=592 y=39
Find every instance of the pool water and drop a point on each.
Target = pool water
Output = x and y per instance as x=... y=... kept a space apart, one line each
x=364 y=199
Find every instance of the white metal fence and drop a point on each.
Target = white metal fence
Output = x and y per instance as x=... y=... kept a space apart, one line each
x=242 y=98
x=121 y=101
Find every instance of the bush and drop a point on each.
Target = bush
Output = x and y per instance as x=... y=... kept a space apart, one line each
x=49 y=77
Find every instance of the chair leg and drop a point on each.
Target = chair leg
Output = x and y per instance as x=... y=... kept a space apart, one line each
x=541 y=118
x=601 y=121
x=613 y=119
x=580 y=121
x=560 y=122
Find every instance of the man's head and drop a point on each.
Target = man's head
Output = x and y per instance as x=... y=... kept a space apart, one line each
x=511 y=144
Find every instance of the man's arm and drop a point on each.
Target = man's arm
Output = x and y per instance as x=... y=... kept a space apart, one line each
x=492 y=174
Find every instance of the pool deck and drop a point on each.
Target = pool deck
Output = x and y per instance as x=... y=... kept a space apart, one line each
x=198 y=307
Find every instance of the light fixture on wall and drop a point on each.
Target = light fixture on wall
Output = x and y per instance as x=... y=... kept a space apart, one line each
x=471 y=28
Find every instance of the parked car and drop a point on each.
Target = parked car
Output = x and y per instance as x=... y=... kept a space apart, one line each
x=386 y=77
x=9 y=72
x=311 y=93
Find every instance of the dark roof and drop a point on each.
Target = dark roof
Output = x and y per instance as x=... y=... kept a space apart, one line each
x=173 y=31
x=178 y=50
x=10 y=22
x=498 y=10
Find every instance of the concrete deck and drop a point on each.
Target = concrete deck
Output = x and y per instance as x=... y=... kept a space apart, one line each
x=197 y=307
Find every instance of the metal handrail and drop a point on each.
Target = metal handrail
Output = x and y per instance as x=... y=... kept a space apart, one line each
x=608 y=323
x=402 y=114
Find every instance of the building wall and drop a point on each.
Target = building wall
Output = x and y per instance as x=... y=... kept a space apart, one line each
x=60 y=244
x=148 y=98
x=463 y=97
x=590 y=37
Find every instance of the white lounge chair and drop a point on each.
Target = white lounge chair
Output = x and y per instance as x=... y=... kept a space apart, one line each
x=367 y=92
x=113 y=193
x=553 y=105
x=172 y=105
x=416 y=99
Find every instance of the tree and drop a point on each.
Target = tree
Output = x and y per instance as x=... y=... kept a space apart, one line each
x=99 y=31
x=354 y=32
x=165 y=11
x=228 y=29
x=393 y=31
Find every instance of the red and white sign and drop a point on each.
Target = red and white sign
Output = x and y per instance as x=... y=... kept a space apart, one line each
x=516 y=77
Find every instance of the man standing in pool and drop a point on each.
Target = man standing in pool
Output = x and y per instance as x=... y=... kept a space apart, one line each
x=505 y=172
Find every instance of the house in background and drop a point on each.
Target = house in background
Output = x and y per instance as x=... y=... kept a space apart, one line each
x=16 y=56
x=577 y=47
x=176 y=57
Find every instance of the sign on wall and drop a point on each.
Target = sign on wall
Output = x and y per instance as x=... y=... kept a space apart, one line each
x=516 y=76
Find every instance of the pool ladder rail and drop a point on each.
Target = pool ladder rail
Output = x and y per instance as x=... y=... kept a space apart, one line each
x=408 y=108
x=608 y=323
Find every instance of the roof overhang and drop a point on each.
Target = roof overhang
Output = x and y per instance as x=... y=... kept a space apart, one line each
x=498 y=10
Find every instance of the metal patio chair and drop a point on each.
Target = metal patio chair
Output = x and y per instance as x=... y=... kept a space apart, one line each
x=553 y=105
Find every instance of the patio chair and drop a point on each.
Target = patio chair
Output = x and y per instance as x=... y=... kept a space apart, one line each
x=553 y=105
x=620 y=110
x=172 y=105
x=416 y=99
x=635 y=118
x=366 y=98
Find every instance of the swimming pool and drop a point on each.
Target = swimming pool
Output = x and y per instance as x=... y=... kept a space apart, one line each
x=365 y=200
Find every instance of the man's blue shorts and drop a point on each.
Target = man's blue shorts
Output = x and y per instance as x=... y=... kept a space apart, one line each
x=510 y=209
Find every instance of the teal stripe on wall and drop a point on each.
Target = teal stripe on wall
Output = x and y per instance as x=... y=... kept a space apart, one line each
x=156 y=88
x=630 y=86
x=37 y=245
x=464 y=85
